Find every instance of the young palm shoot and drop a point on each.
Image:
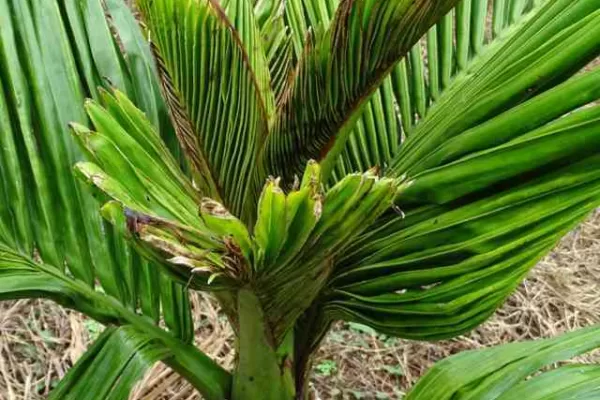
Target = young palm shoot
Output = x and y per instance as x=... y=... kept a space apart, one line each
x=304 y=162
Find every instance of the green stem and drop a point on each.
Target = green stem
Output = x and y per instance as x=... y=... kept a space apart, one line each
x=263 y=372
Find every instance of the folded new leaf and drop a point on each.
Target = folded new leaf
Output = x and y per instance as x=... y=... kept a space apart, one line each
x=287 y=257
x=297 y=236
x=155 y=203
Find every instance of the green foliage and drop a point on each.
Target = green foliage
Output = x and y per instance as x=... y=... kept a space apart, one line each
x=326 y=367
x=93 y=328
x=286 y=260
x=394 y=370
x=120 y=356
x=511 y=371
x=360 y=328
x=309 y=163
x=53 y=241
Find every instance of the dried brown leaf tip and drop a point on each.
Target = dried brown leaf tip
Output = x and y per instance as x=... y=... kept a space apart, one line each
x=214 y=208
x=135 y=220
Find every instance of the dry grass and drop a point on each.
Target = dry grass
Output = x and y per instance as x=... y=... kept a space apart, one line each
x=39 y=341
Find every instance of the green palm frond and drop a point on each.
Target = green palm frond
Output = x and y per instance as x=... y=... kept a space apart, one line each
x=454 y=143
x=376 y=133
x=216 y=80
x=23 y=277
x=500 y=167
x=38 y=152
x=447 y=50
x=277 y=42
x=241 y=15
x=54 y=244
x=516 y=67
x=515 y=371
x=111 y=366
x=341 y=65
x=287 y=258
x=157 y=204
x=376 y=136
x=442 y=270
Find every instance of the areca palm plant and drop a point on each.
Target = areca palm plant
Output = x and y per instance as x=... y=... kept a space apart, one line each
x=398 y=163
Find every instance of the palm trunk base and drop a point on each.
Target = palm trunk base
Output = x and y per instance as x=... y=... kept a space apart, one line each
x=262 y=372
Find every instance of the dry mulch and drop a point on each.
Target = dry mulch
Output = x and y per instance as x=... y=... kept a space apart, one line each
x=40 y=341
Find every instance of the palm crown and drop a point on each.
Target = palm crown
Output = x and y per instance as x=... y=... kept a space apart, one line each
x=416 y=168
